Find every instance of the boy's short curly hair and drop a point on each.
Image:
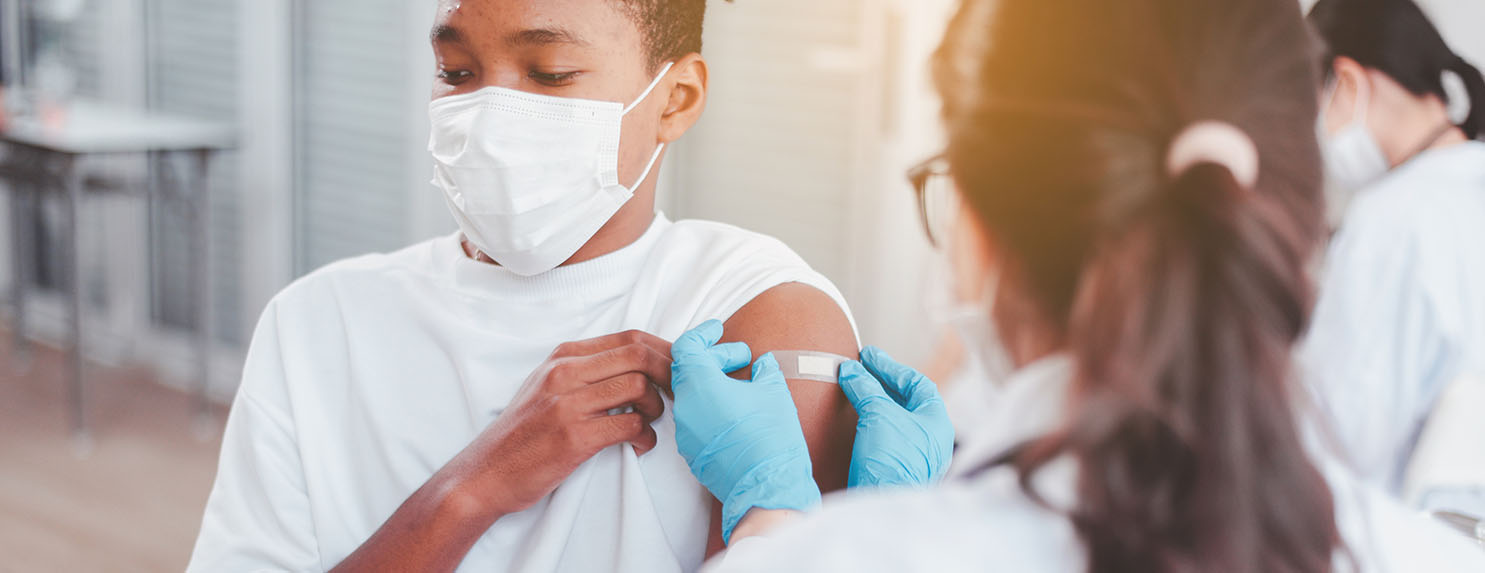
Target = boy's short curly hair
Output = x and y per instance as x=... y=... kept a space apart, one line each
x=670 y=28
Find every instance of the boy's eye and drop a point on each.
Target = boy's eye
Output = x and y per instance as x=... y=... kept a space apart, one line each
x=454 y=76
x=553 y=78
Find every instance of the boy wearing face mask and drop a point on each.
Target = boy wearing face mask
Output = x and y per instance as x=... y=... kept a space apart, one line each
x=495 y=399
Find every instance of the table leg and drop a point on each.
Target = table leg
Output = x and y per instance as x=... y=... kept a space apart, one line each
x=21 y=228
x=201 y=271
x=72 y=179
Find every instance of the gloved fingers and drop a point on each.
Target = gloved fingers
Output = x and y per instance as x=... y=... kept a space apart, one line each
x=925 y=396
x=732 y=356
x=693 y=346
x=861 y=387
x=766 y=370
x=911 y=387
x=933 y=406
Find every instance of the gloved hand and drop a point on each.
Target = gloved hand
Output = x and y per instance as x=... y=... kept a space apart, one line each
x=741 y=438
x=903 y=432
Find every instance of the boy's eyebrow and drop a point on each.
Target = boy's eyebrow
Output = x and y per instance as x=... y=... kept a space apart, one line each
x=544 y=36
x=445 y=34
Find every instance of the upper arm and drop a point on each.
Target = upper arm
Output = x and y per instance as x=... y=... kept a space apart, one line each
x=796 y=316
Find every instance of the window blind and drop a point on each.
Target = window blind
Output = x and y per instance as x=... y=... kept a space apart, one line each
x=350 y=107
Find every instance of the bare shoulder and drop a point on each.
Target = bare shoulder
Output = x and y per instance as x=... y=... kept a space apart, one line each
x=793 y=316
x=796 y=316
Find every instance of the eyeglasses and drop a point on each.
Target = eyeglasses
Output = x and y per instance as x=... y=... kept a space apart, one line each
x=938 y=201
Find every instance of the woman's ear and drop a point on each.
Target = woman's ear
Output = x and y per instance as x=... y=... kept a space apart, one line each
x=1350 y=77
x=687 y=98
x=972 y=253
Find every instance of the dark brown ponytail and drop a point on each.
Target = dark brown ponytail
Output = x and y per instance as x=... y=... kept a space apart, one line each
x=1178 y=295
x=1182 y=329
x=1474 y=85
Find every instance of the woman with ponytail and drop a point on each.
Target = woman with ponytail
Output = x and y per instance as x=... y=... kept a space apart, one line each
x=1401 y=314
x=1130 y=200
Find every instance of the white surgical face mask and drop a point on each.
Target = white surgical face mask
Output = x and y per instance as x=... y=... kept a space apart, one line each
x=1353 y=159
x=530 y=178
x=970 y=320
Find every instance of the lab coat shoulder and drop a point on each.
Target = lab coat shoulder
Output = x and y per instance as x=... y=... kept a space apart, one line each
x=1424 y=213
x=971 y=527
x=948 y=529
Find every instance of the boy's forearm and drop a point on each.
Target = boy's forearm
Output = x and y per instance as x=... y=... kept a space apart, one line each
x=432 y=531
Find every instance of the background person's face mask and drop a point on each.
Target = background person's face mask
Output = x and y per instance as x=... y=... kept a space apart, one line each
x=530 y=178
x=1353 y=159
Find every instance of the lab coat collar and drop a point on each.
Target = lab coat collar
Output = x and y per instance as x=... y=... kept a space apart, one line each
x=1463 y=163
x=1031 y=403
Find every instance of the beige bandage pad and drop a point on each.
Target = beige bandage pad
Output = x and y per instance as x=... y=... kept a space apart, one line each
x=810 y=365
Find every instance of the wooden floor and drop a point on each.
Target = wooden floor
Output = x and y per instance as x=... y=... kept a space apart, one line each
x=133 y=503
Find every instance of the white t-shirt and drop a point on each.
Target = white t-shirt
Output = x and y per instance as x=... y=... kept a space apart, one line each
x=365 y=377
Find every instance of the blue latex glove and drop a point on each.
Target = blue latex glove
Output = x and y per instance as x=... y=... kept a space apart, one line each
x=741 y=438
x=903 y=432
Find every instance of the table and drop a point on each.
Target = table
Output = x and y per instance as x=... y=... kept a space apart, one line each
x=51 y=158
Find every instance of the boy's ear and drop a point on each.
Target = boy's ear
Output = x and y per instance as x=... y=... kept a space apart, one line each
x=687 y=98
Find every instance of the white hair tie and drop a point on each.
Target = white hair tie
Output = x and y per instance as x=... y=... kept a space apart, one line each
x=1216 y=142
x=1456 y=97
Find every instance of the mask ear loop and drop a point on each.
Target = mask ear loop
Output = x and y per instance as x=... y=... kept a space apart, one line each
x=1363 y=101
x=660 y=148
x=646 y=174
x=653 y=84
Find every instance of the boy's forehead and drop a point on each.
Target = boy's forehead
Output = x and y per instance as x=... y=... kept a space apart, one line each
x=599 y=24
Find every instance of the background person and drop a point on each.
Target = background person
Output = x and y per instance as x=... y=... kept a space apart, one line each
x=1401 y=314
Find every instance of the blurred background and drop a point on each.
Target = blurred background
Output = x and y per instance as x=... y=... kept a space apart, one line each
x=310 y=116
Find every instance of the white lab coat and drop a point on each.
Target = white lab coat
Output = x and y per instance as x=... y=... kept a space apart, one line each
x=988 y=523
x=1401 y=313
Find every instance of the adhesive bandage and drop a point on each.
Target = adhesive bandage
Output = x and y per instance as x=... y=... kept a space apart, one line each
x=809 y=365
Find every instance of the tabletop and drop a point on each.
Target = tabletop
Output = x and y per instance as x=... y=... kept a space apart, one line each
x=89 y=127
